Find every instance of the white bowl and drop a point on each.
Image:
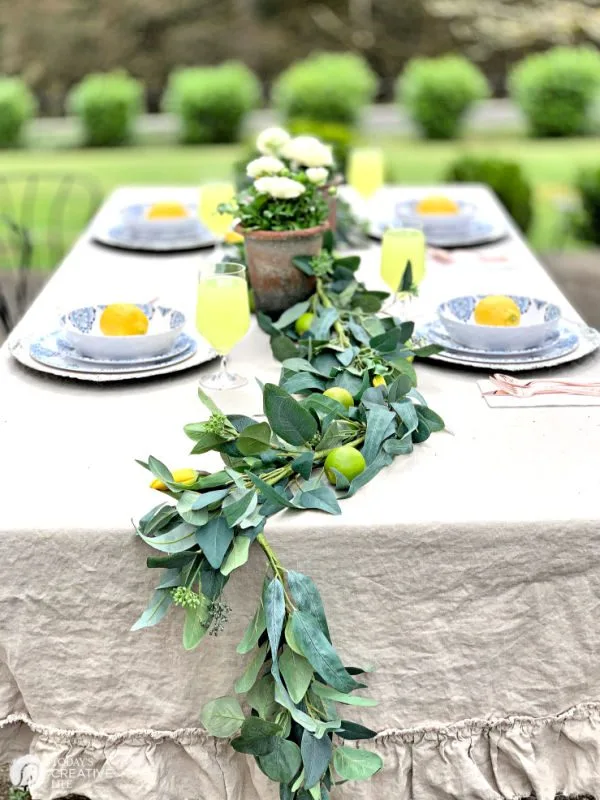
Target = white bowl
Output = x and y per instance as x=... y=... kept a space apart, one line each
x=539 y=321
x=447 y=224
x=81 y=328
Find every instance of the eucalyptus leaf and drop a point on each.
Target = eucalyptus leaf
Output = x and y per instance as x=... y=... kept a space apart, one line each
x=261 y=696
x=381 y=423
x=222 y=717
x=407 y=413
x=292 y=314
x=319 y=652
x=355 y=765
x=291 y=639
x=257 y=737
x=273 y=494
x=161 y=519
x=434 y=421
x=382 y=460
x=422 y=432
x=196 y=624
x=158 y=606
x=283 y=762
x=248 y=679
x=288 y=419
x=316 y=755
x=172 y=561
x=237 y=556
x=242 y=506
x=321 y=499
x=214 y=539
x=256 y=627
x=283 y=348
x=170 y=578
x=353 y=731
x=297 y=673
x=205 y=499
x=274 y=603
x=398 y=388
x=306 y=598
x=327 y=693
x=158 y=469
x=405 y=368
x=322 y=324
x=179 y=538
x=338 y=432
x=204 y=440
x=254 y=439
x=301 y=382
x=303 y=464
x=211 y=580
x=303 y=365
x=398 y=447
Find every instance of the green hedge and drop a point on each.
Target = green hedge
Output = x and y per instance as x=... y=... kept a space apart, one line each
x=211 y=102
x=587 y=222
x=326 y=87
x=17 y=107
x=108 y=104
x=504 y=177
x=556 y=89
x=438 y=92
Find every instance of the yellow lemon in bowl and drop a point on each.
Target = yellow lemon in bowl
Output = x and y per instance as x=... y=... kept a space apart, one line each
x=437 y=204
x=123 y=319
x=166 y=211
x=497 y=309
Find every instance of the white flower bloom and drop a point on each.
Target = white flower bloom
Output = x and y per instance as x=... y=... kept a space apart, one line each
x=281 y=188
x=271 y=140
x=265 y=165
x=317 y=174
x=308 y=151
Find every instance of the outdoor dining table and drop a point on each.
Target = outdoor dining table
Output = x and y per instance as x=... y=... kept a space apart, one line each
x=467 y=574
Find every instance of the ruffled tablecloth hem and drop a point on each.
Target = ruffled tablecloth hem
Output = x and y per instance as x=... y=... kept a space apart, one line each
x=475 y=759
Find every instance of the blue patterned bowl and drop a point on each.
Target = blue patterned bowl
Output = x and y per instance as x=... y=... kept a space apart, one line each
x=539 y=321
x=81 y=329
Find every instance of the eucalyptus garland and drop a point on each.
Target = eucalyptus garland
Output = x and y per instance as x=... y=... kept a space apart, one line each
x=287 y=708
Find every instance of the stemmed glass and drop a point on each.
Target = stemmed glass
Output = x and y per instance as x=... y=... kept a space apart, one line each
x=223 y=316
x=211 y=196
x=403 y=264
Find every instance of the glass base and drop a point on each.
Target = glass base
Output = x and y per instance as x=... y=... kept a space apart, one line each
x=223 y=379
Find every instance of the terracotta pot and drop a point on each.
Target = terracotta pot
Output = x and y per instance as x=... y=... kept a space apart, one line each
x=277 y=284
x=331 y=200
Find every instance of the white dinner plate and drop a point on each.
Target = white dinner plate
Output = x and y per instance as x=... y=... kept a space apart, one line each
x=478 y=232
x=182 y=344
x=436 y=333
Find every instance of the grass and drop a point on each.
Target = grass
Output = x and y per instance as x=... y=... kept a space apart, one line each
x=551 y=165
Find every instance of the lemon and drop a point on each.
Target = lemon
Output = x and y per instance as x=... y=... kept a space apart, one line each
x=437 y=205
x=379 y=380
x=340 y=394
x=187 y=476
x=497 y=310
x=166 y=211
x=123 y=319
x=233 y=237
x=347 y=460
x=303 y=323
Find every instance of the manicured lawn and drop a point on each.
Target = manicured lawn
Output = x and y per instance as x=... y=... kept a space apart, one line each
x=551 y=166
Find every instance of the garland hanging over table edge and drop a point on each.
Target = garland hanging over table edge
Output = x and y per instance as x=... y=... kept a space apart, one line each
x=308 y=454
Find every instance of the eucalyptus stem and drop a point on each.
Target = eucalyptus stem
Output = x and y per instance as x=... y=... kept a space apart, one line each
x=337 y=325
x=278 y=569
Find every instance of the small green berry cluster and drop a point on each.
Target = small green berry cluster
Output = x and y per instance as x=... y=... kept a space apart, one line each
x=220 y=426
x=185 y=597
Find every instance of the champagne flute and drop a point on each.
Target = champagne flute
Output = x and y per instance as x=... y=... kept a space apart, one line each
x=403 y=263
x=366 y=170
x=211 y=196
x=223 y=316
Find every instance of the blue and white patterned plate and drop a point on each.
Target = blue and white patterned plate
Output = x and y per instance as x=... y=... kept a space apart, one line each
x=50 y=350
x=436 y=333
x=117 y=233
x=182 y=343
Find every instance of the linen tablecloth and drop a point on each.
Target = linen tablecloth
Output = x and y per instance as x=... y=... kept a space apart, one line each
x=467 y=573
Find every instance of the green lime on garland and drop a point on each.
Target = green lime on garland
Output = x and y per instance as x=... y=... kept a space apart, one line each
x=340 y=394
x=303 y=323
x=347 y=460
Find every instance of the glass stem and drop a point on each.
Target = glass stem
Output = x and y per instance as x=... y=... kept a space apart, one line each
x=223 y=372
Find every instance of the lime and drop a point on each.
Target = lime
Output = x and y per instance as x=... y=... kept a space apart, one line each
x=303 y=323
x=379 y=380
x=343 y=396
x=347 y=460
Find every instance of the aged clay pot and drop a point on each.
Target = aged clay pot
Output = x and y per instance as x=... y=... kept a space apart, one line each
x=278 y=284
x=331 y=200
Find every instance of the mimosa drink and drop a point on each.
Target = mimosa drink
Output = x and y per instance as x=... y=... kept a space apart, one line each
x=399 y=247
x=365 y=170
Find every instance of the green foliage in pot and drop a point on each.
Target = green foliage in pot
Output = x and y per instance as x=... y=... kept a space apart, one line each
x=556 y=90
x=326 y=87
x=438 y=93
x=17 y=106
x=505 y=178
x=108 y=105
x=211 y=102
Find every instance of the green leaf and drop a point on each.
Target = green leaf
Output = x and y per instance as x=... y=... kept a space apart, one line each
x=205 y=440
x=283 y=762
x=208 y=402
x=398 y=388
x=248 y=679
x=297 y=673
x=290 y=638
x=214 y=539
x=271 y=493
x=298 y=782
x=304 y=264
x=292 y=314
x=422 y=433
x=388 y=342
x=179 y=538
x=274 y=603
x=321 y=499
x=381 y=461
x=353 y=731
x=407 y=413
x=406 y=283
x=338 y=432
x=301 y=382
x=257 y=737
x=208 y=498
x=434 y=421
x=158 y=606
x=283 y=699
x=222 y=717
x=255 y=439
x=327 y=693
x=283 y=348
x=212 y=580
x=239 y=506
x=306 y=598
x=323 y=322
x=381 y=424
x=398 y=447
x=152 y=524
x=355 y=765
x=158 y=469
x=196 y=624
x=404 y=367
x=237 y=556
x=214 y=481
x=303 y=465
x=253 y=632
x=316 y=755
x=170 y=562
x=288 y=419
x=319 y=652
x=303 y=365
x=261 y=696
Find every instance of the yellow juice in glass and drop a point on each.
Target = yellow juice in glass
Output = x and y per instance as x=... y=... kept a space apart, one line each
x=365 y=170
x=399 y=246
x=211 y=196
x=222 y=312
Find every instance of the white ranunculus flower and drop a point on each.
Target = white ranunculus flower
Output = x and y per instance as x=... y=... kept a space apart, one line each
x=308 y=151
x=265 y=165
x=271 y=140
x=317 y=174
x=281 y=188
